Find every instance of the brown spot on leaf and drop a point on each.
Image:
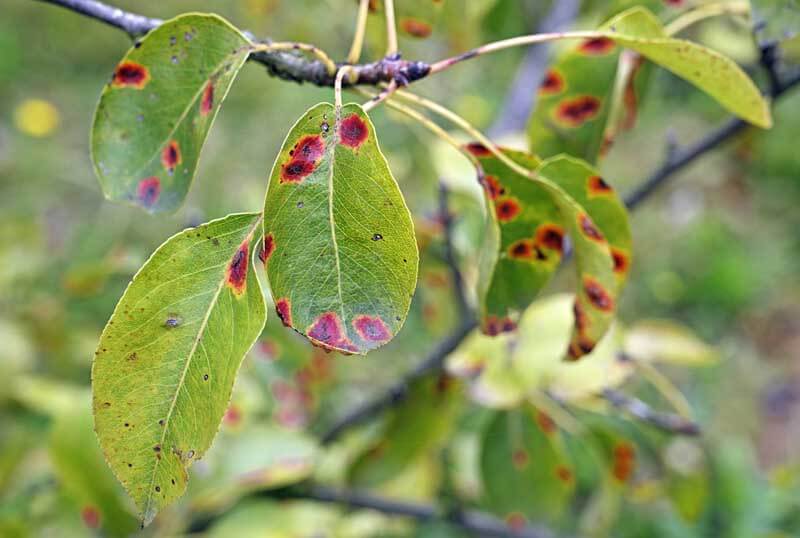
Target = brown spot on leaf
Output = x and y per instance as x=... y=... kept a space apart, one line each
x=621 y=261
x=478 y=150
x=589 y=229
x=284 y=309
x=624 y=461
x=493 y=187
x=550 y=236
x=545 y=423
x=520 y=458
x=564 y=474
x=303 y=160
x=267 y=248
x=516 y=521
x=575 y=111
x=596 y=46
x=207 y=102
x=353 y=131
x=524 y=249
x=327 y=332
x=171 y=155
x=598 y=296
x=552 y=84
x=237 y=270
x=130 y=75
x=416 y=27
x=597 y=186
x=148 y=190
x=372 y=328
x=507 y=209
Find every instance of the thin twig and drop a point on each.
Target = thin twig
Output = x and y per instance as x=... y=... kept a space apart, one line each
x=635 y=407
x=475 y=522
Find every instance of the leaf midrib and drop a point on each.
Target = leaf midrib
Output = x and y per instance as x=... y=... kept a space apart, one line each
x=180 y=384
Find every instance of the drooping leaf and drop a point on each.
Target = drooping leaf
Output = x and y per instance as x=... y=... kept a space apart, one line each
x=166 y=362
x=527 y=222
x=155 y=113
x=339 y=243
x=526 y=474
x=638 y=29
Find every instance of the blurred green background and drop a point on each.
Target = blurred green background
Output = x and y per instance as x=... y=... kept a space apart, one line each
x=717 y=250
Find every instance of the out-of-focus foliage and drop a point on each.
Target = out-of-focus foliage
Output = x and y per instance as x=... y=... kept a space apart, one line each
x=716 y=253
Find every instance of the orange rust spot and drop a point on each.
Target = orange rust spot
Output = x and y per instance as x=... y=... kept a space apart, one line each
x=493 y=187
x=130 y=75
x=575 y=111
x=621 y=261
x=545 y=423
x=598 y=296
x=416 y=27
x=552 y=84
x=596 y=46
x=589 y=229
x=581 y=318
x=303 y=161
x=353 y=131
x=237 y=269
x=564 y=474
x=520 y=458
x=171 y=155
x=508 y=325
x=148 y=191
x=207 y=102
x=597 y=186
x=581 y=345
x=491 y=326
x=283 y=307
x=372 y=328
x=507 y=209
x=624 y=461
x=550 y=236
x=267 y=248
x=233 y=415
x=524 y=249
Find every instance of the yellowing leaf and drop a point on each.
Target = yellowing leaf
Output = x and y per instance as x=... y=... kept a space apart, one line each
x=667 y=341
x=638 y=29
x=166 y=362
x=339 y=244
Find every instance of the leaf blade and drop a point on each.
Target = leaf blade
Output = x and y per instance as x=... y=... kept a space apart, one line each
x=340 y=250
x=151 y=431
x=155 y=114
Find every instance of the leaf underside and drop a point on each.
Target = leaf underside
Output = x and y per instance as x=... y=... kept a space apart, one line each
x=339 y=245
x=155 y=113
x=165 y=366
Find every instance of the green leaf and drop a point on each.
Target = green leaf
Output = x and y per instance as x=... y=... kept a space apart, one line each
x=638 y=29
x=166 y=362
x=526 y=475
x=527 y=222
x=423 y=422
x=339 y=243
x=154 y=115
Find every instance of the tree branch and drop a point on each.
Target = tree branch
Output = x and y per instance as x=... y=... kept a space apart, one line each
x=449 y=250
x=638 y=409
x=284 y=65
